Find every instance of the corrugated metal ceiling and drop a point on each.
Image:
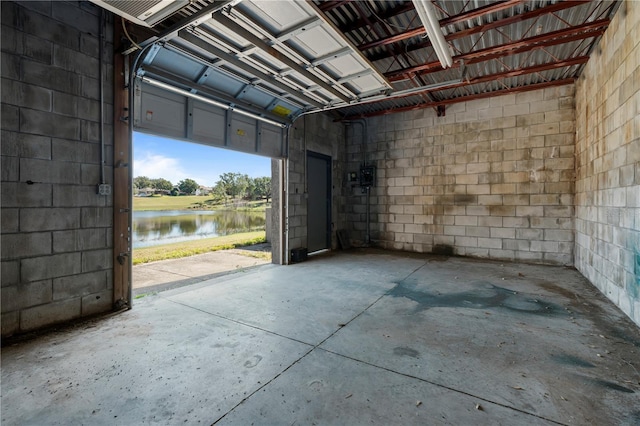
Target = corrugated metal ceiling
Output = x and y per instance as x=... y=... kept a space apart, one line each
x=363 y=58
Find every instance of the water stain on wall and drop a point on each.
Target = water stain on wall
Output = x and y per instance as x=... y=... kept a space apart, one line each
x=442 y=249
x=634 y=291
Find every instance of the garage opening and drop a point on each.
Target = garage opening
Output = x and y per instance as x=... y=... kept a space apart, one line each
x=172 y=109
x=198 y=212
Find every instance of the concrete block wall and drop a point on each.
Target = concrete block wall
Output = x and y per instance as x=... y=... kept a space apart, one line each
x=56 y=230
x=355 y=197
x=494 y=178
x=317 y=133
x=608 y=163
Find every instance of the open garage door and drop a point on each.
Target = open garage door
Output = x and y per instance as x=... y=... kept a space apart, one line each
x=169 y=113
x=271 y=59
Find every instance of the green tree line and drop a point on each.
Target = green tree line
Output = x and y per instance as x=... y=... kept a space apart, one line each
x=230 y=186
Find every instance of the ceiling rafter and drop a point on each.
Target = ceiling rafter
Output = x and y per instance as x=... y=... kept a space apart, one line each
x=494 y=77
x=466 y=98
x=579 y=32
x=496 y=24
x=465 y=16
x=523 y=71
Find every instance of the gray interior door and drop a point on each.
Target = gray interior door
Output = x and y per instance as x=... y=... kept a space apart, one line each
x=318 y=202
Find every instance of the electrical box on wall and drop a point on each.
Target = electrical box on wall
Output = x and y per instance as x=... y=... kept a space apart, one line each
x=367 y=176
x=352 y=178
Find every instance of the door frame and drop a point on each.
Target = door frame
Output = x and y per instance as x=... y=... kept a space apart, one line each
x=326 y=158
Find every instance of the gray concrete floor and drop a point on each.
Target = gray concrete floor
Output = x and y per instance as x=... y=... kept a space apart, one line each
x=366 y=337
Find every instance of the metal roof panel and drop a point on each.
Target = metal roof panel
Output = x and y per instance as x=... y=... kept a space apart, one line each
x=298 y=52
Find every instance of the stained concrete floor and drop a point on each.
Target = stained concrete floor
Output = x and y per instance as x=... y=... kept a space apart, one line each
x=366 y=337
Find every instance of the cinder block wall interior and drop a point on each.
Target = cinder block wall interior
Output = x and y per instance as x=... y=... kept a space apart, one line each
x=493 y=178
x=607 y=155
x=56 y=230
x=549 y=176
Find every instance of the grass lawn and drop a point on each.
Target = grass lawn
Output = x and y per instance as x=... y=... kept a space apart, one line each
x=190 y=248
x=187 y=202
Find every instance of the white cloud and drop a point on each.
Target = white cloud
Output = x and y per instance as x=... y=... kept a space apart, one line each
x=156 y=166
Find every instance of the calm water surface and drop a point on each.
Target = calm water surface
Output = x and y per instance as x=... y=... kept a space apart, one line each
x=162 y=227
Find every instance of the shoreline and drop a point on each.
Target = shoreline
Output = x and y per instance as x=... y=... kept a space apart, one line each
x=204 y=245
x=195 y=202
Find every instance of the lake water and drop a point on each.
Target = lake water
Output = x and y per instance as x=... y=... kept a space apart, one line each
x=163 y=227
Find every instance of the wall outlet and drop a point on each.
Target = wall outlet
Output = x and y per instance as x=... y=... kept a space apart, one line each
x=104 y=189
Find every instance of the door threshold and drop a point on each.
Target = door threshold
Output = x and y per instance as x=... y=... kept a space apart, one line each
x=318 y=252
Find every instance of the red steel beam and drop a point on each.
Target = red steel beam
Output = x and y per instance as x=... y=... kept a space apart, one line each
x=464 y=98
x=480 y=11
x=435 y=66
x=507 y=74
x=392 y=39
x=496 y=24
x=522 y=71
x=493 y=77
x=475 y=13
x=591 y=29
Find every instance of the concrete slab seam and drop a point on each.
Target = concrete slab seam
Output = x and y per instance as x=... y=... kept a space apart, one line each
x=304 y=355
x=238 y=322
x=442 y=386
x=316 y=346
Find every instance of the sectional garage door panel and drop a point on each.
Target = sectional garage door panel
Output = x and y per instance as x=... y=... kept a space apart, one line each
x=271 y=140
x=208 y=125
x=169 y=114
x=243 y=134
x=162 y=113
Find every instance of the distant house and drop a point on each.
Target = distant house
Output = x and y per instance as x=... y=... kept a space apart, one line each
x=204 y=190
x=146 y=192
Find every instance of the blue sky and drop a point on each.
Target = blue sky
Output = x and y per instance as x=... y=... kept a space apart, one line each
x=157 y=157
